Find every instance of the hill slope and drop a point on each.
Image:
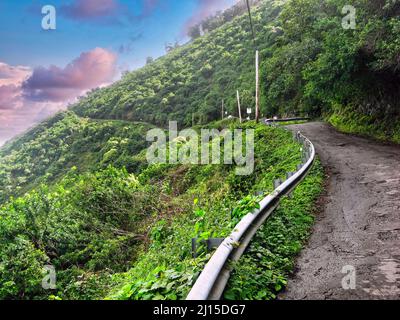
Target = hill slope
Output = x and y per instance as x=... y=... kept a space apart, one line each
x=193 y=79
x=50 y=150
x=104 y=228
x=111 y=233
x=189 y=81
x=68 y=197
x=349 y=76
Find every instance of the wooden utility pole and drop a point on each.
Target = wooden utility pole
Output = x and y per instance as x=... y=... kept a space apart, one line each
x=238 y=101
x=257 y=88
x=223 y=111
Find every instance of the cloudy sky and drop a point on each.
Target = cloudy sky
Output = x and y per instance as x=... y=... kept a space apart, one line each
x=42 y=71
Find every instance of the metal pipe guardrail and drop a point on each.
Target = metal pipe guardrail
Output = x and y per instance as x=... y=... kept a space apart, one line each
x=287 y=120
x=212 y=281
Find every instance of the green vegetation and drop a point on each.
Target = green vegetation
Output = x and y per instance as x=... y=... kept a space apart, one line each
x=111 y=233
x=86 y=227
x=77 y=193
x=167 y=270
x=349 y=121
x=192 y=79
x=351 y=77
x=263 y=271
x=50 y=150
x=288 y=123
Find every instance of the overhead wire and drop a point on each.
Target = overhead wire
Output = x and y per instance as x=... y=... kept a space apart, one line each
x=251 y=24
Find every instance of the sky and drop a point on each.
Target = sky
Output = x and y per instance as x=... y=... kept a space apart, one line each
x=94 y=42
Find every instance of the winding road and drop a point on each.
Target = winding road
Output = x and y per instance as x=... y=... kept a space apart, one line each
x=358 y=224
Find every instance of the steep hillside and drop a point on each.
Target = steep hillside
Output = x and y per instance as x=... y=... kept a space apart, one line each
x=311 y=65
x=350 y=76
x=189 y=83
x=190 y=80
x=76 y=192
x=111 y=233
x=49 y=151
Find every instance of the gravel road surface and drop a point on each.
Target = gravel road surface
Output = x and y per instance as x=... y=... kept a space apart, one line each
x=359 y=222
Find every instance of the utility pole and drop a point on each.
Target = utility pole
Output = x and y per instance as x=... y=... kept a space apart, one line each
x=257 y=88
x=238 y=101
x=223 y=111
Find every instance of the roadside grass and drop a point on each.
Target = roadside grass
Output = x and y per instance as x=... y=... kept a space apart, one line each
x=216 y=198
x=288 y=123
x=264 y=269
x=113 y=234
x=349 y=121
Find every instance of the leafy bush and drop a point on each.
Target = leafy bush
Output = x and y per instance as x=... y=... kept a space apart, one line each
x=264 y=269
x=85 y=224
x=217 y=198
x=47 y=153
x=317 y=67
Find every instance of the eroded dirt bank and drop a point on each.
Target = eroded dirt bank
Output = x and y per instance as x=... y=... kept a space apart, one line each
x=359 y=223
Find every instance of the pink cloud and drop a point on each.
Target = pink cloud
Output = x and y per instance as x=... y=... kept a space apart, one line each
x=206 y=8
x=91 y=9
x=18 y=120
x=11 y=79
x=13 y=75
x=105 y=11
x=17 y=114
x=28 y=97
x=9 y=96
x=90 y=70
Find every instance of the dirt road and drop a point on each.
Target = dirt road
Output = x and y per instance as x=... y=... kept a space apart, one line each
x=359 y=222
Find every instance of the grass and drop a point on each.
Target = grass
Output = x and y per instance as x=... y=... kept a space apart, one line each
x=288 y=123
x=134 y=243
x=349 y=121
x=214 y=198
x=264 y=270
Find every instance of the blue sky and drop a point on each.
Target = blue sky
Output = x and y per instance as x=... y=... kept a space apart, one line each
x=41 y=72
x=25 y=43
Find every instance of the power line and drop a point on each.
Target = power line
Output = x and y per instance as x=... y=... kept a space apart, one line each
x=251 y=24
x=257 y=64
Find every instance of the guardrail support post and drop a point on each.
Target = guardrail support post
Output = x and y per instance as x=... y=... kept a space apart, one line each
x=277 y=183
x=288 y=176
x=194 y=248
x=210 y=244
x=214 y=243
